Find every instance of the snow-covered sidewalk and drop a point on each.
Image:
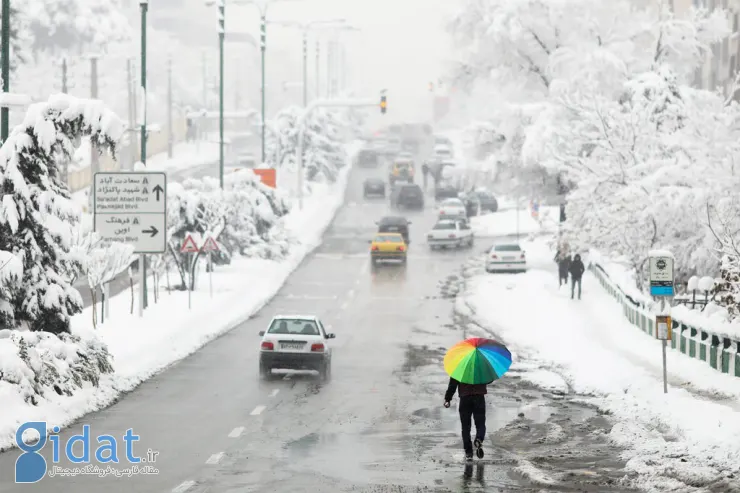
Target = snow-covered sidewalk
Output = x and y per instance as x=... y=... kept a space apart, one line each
x=507 y=222
x=688 y=436
x=169 y=331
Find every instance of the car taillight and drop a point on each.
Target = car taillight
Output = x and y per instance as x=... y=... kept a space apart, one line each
x=268 y=346
x=494 y=256
x=442 y=213
x=401 y=248
x=522 y=256
x=452 y=236
x=317 y=348
x=374 y=248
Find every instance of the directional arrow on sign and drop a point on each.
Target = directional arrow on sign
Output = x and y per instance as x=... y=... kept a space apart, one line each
x=158 y=190
x=151 y=231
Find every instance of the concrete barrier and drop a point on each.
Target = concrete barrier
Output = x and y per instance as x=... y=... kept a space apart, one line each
x=717 y=350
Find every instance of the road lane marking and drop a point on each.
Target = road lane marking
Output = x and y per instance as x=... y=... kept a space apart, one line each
x=236 y=432
x=215 y=458
x=309 y=297
x=351 y=294
x=184 y=486
x=274 y=392
x=258 y=410
x=344 y=306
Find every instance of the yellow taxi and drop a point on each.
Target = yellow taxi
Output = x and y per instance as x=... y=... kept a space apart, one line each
x=401 y=170
x=388 y=246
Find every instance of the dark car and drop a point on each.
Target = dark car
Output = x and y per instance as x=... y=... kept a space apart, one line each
x=373 y=186
x=395 y=224
x=368 y=158
x=487 y=201
x=479 y=199
x=410 y=196
x=445 y=191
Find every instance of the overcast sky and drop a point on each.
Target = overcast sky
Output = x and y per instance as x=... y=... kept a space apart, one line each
x=402 y=45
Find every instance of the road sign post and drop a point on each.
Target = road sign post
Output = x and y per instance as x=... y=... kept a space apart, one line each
x=189 y=247
x=661 y=286
x=209 y=247
x=131 y=208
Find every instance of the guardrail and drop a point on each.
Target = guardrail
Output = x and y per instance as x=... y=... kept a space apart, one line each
x=717 y=350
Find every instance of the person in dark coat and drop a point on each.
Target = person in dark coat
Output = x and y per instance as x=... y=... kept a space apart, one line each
x=472 y=405
x=425 y=174
x=564 y=261
x=576 y=273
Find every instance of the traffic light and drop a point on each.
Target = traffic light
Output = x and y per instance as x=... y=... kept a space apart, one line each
x=383 y=104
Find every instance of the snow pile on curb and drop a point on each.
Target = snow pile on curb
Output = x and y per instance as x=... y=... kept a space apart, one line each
x=504 y=222
x=168 y=332
x=685 y=437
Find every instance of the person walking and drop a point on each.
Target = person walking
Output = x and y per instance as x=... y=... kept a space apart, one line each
x=472 y=405
x=564 y=261
x=576 y=274
x=425 y=174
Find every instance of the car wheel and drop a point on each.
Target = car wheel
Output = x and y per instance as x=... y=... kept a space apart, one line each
x=265 y=371
x=490 y=271
x=325 y=371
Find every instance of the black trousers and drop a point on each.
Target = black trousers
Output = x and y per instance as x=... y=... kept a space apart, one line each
x=573 y=287
x=472 y=406
x=563 y=278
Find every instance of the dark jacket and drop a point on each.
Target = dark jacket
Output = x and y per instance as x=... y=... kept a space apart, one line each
x=577 y=268
x=564 y=265
x=464 y=389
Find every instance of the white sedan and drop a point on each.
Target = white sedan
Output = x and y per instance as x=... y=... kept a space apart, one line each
x=450 y=233
x=452 y=209
x=296 y=342
x=506 y=258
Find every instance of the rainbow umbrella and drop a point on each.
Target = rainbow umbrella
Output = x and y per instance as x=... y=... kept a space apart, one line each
x=477 y=361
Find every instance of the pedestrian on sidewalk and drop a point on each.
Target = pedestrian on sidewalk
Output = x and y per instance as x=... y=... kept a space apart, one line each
x=576 y=273
x=563 y=260
x=472 y=405
x=425 y=174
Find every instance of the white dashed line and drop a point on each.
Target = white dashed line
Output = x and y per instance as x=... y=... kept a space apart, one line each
x=258 y=410
x=184 y=486
x=274 y=392
x=236 y=432
x=351 y=294
x=215 y=458
x=344 y=305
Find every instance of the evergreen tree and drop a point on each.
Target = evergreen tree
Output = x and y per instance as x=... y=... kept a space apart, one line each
x=37 y=216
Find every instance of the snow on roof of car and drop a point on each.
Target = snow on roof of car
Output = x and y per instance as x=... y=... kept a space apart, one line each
x=295 y=317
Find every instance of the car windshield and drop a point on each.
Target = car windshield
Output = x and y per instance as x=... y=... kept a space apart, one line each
x=412 y=191
x=293 y=326
x=388 y=239
x=444 y=225
x=452 y=202
x=507 y=248
x=368 y=157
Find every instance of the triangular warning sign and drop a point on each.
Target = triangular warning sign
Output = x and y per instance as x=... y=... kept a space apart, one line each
x=189 y=246
x=210 y=245
x=146 y=181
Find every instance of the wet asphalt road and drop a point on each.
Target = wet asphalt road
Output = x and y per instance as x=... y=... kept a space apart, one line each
x=378 y=425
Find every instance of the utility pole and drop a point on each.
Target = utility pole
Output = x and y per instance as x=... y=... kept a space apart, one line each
x=205 y=81
x=329 y=75
x=144 y=4
x=132 y=141
x=263 y=48
x=135 y=148
x=64 y=76
x=169 y=107
x=5 y=41
x=221 y=36
x=317 y=69
x=305 y=68
x=94 y=157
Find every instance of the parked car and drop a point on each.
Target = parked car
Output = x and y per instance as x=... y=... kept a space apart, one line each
x=450 y=233
x=409 y=196
x=395 y=224
x=506 y=258
x=479 y=201
x=293 y=342
x=373 y=187
x=452 y=209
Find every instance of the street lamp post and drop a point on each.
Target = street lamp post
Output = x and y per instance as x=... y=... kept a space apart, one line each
x=5 y=40
x=221 y=36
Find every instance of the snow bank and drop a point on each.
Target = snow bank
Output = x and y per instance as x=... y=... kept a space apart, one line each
x=688 y=435
x=171 y=330
x=504 y=222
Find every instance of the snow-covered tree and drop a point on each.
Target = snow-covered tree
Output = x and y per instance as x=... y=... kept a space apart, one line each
x=37 y=216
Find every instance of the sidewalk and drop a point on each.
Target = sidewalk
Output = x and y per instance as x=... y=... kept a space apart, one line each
x=687 y=435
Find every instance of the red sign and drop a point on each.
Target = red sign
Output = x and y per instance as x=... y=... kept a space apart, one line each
x=267 y=175
x=189 y=246
x=210 y=246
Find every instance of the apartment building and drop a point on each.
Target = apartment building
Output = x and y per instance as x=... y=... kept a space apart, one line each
x=718 y=72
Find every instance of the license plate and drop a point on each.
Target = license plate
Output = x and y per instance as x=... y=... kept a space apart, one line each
x=508 y=258
x=293 y=345
x=392 y=229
